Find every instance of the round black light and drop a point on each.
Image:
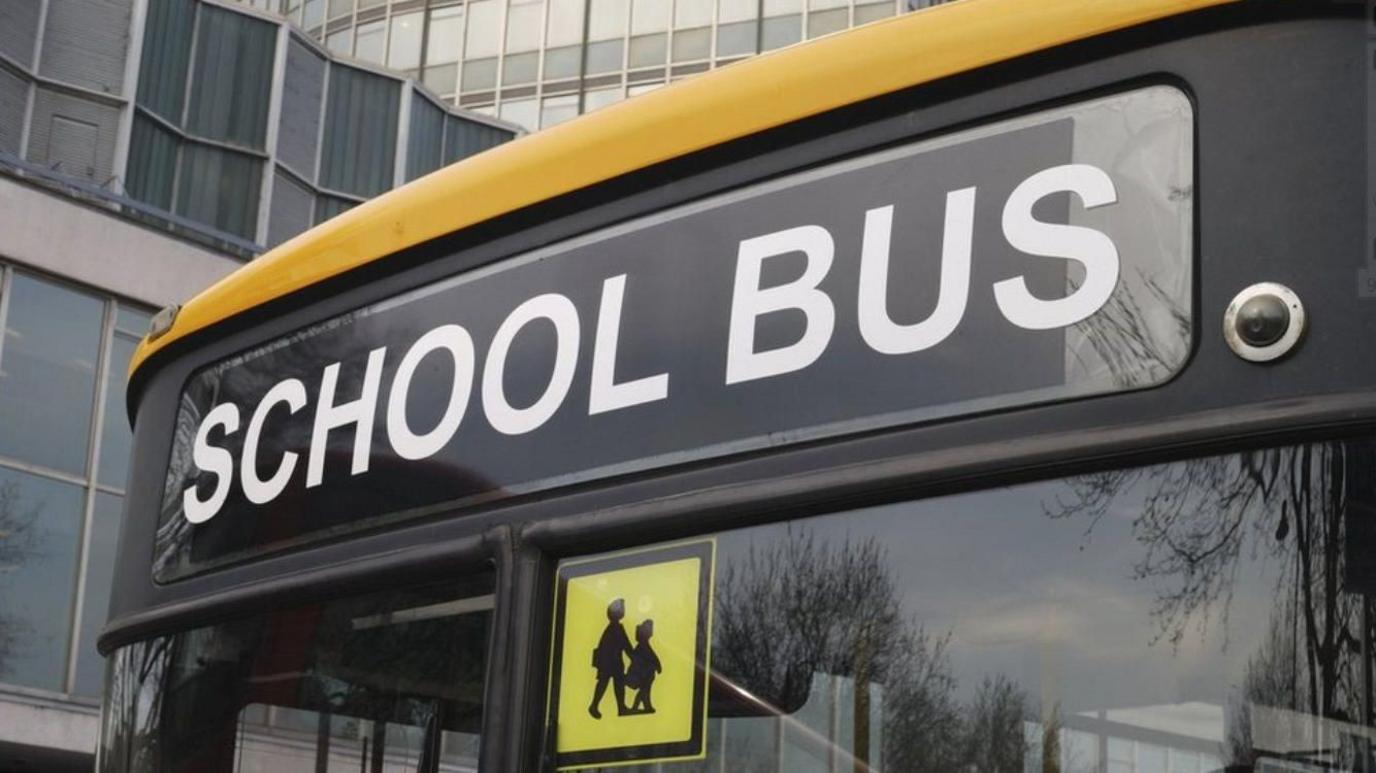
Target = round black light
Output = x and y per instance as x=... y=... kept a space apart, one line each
x=1262 y=320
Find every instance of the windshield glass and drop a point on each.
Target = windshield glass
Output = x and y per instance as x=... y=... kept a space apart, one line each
x=1199 y=615
x=391 y=681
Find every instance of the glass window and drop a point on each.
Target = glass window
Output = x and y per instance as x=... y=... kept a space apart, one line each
x=95 y=602
x=607 y=19
x=340 y=8
x=396 y=678
x=822 y=5
x=556 y=110
x=596 y=98
x=40 y=527
x=403 y=46
x=691 y=45
x=115 y=435
x=220 y=188
x=642 y=88
x=737 y=10
x=737 y=38
x=565 y=25
x=371 y=41
x=133 y=321
x=563 y=62
x=521 y=111
x=48 y=362
x=692 y=13
x=1202 y=614
x=442 y=80
x=523 y=25
x=650 y=16
x=780 y=31
x=782 y=7
x=314 y=14
x=824 y=22
x=648 y=50
x=484 y=35
x=872 y=12
x=604 y=56
x=341 y=42
x=233 y=79
x=152 y=162
x=166 y=57
x=360 y=132
x=520 y=68
x=444 y=39
x=479 y=74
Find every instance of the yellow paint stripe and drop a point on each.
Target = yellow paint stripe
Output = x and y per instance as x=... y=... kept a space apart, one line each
x=710 y=109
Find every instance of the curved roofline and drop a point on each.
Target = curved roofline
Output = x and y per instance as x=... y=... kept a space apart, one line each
x=747 y=97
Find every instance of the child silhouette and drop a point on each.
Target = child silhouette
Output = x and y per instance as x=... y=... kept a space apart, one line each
x=644 y=665
x=606 y=658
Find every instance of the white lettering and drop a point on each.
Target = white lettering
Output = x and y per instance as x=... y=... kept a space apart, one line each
x=1092 y=249
x=500 y=414
x=876 y=326
x=293 y=393
x=360 y=413
x=214 y=460
x=749 y=301
x=459 y=344
x=605 y=394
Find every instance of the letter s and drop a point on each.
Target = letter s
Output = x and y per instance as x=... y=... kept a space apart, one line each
x=214 y=460
x=1092 y=249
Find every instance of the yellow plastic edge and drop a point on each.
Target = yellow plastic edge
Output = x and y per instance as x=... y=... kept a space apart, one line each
x=710 y=109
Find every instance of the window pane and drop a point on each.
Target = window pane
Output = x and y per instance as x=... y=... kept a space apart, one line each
x=563 y=62
x=823 y=22
x=442 y=80
x=649 y=16
x=233 y=78
x=737 y=10
x=523 y=25
x=341 y=42
x=220 y=188
x=484 y=35
x=781 y=7
x=166 y=57
x=648 y=50
x=403 y=49
x=690 y=45
x=780 y=31
x=340 y=8
x=444 y=40
x=40 y=523
x=868 y=13
x=642 y=88
x=692 y=13
x=313 y=14
x=152 y=162
x=479 y=74
x=95 y=603
x=47 y=373
x=596 y=98
x=556 y=110
x=132 y=320
x=520 y=68
x=521 y=111
x=115 y=435
x=604 y=56
x=607 y=19
x=565 y=26
x=735 y=39
x=320 y=687
x=821 y=5
x=360 y=132
x=371 y=41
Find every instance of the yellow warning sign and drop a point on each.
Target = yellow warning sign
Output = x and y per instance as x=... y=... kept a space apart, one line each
x=628 y=674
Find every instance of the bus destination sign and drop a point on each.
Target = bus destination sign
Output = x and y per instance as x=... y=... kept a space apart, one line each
x=1040 y=258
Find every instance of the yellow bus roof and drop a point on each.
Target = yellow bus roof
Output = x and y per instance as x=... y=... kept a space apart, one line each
x=754 y=95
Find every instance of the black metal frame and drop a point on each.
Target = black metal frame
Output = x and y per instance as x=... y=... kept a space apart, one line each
x=1282 y=204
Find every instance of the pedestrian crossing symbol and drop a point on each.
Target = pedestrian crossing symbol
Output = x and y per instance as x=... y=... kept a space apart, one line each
x=628 y=673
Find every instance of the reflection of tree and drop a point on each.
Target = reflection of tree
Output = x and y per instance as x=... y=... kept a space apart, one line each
x=1134 y=346
x=18 y=545
x=800 y=606
x=1198 y=520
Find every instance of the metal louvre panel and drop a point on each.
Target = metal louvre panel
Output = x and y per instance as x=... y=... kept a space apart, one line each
x=360 y=132
x=166 y=57
x=13 y=95
x=291 y=209
x=298 y=131
x=463 y=138
x=19 y=29
x=85 y=42
x=427 y=134
x=76 y=133
x=232 y=79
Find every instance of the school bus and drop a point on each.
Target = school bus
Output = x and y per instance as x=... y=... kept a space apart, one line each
x=988 y=388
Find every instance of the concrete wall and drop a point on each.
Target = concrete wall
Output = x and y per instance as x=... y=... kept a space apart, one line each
x=56 y=234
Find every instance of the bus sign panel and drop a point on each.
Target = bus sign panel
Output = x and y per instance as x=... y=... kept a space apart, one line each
x=990 y=268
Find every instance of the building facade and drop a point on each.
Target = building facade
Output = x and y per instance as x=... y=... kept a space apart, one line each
x=537 y=63
x=147 y=148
